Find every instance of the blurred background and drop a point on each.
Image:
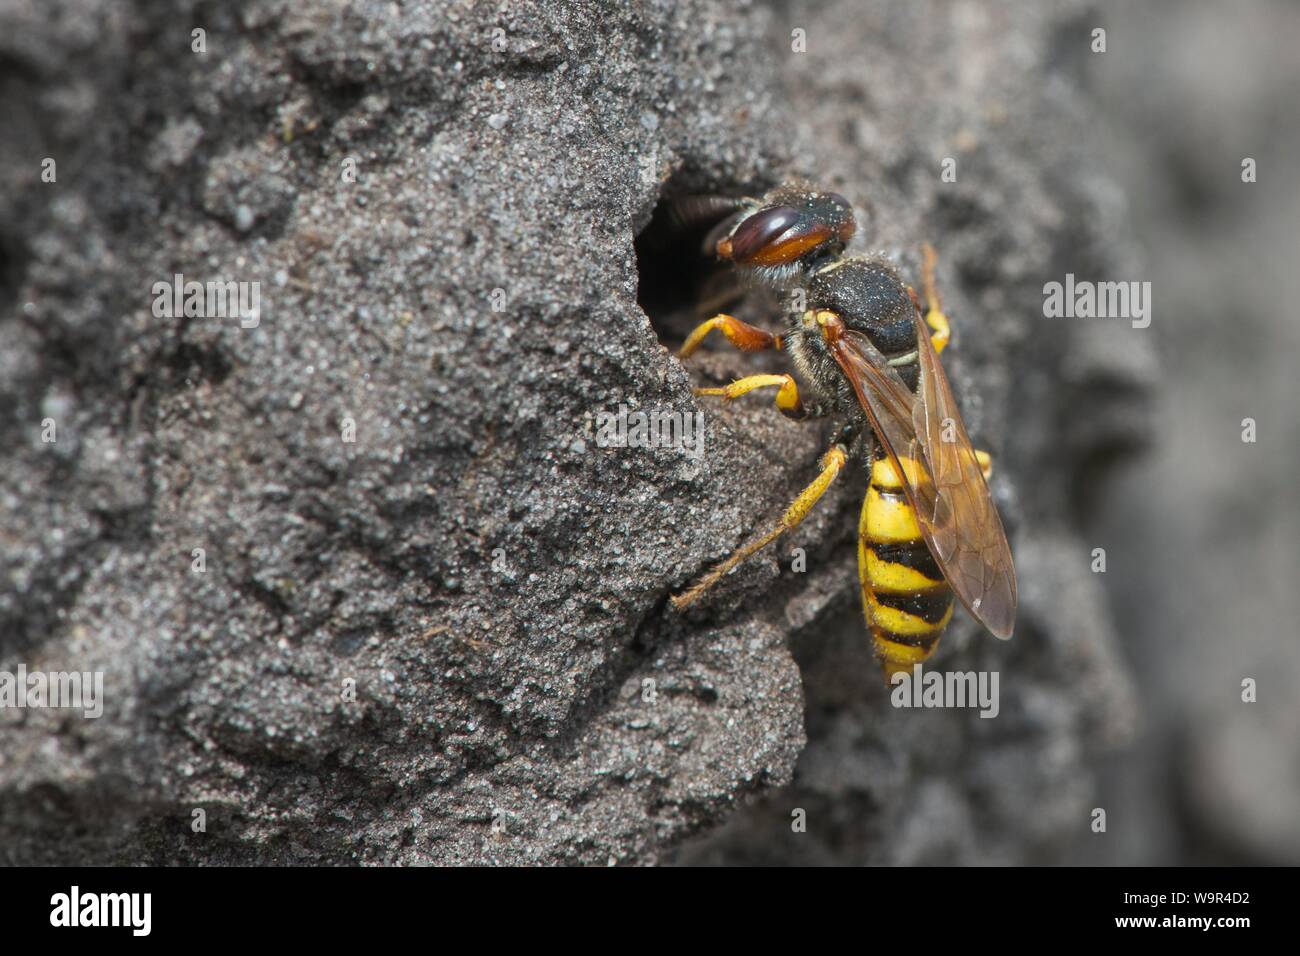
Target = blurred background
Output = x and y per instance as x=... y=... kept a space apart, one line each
x=1204 y=528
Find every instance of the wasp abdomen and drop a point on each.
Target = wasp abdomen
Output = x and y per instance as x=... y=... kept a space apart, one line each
x=905 y=598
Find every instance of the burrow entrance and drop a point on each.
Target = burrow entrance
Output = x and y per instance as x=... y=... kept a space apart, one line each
x=680 y=281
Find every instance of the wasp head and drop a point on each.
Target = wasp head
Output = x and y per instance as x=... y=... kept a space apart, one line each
x=790 y=230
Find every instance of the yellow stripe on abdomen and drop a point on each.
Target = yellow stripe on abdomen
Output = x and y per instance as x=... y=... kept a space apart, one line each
x=893 y=576
x=888 y=517
x=898 y=658
x=884 y=475
x=905 y=600
x=901 y=623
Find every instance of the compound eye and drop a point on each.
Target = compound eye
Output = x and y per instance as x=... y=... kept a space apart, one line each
x=773 y=237
x=756 y=232
x=838 y=200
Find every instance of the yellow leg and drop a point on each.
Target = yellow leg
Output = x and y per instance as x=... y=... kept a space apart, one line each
x=742 y=335
x=831 y=464
x=787 y=396
x=934 y=316
x=985 y=461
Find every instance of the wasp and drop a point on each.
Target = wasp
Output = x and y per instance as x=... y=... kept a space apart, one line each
x=868 y=347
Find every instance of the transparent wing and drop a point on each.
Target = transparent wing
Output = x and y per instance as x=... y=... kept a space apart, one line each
x=927 y=442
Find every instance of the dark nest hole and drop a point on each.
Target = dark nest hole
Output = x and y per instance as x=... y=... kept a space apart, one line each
x=680 y=281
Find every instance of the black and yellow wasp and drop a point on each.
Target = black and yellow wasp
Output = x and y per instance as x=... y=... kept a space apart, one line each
x=870 y=351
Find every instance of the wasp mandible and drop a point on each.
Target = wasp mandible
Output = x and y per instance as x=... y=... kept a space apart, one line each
x=870 y=348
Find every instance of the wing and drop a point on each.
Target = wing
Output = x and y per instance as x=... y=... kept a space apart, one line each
x=940 y=474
